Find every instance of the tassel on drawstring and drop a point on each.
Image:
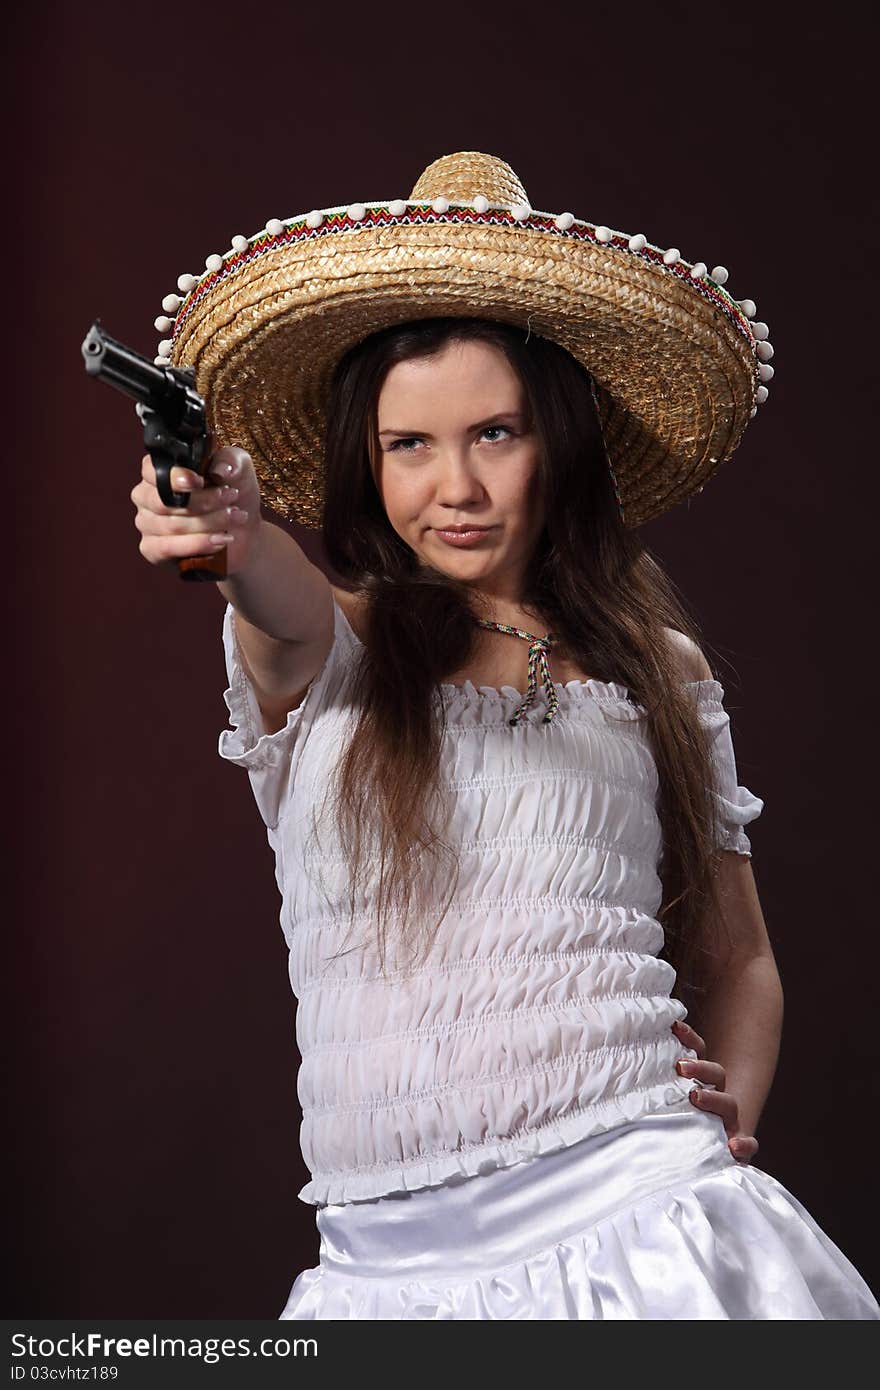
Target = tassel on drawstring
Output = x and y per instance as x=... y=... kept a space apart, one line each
x=538 y=649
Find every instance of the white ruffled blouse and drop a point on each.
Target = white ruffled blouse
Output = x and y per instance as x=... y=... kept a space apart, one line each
x=543 y=1014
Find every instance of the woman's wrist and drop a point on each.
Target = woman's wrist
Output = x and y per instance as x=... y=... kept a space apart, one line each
x=279 y=590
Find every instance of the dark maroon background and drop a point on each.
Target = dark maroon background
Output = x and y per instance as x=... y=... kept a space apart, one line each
x=154 y=1120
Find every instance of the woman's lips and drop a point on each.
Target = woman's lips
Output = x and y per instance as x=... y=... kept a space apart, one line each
x=461 y=538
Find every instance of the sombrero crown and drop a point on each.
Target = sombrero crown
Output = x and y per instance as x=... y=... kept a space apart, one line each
x=679 y=366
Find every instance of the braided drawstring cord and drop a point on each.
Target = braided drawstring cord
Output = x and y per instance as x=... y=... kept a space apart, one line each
x=538 y=649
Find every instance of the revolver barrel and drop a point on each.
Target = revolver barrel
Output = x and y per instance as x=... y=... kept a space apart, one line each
x=122 y=367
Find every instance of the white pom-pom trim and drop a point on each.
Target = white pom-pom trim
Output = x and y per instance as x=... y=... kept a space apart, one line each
x=160 y=361
x=521 y=212
x=481 y=203
x=753 y=412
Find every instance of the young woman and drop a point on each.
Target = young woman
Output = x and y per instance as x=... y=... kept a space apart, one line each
x=496 y=771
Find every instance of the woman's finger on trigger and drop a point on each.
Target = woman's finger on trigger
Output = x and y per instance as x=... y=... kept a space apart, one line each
x=186 y=479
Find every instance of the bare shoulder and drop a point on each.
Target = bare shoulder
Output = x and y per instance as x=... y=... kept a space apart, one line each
x=692 y=664
x=354 y=608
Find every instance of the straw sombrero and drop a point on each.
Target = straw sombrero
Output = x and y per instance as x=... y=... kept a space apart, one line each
x=679 y=366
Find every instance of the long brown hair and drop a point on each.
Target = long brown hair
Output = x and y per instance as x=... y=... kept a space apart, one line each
x=590 y=577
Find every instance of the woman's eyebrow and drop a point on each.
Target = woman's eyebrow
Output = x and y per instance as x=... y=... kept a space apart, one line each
x=481 y=425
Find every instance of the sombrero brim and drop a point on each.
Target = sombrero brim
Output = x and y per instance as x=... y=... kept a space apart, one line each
x=672 y=354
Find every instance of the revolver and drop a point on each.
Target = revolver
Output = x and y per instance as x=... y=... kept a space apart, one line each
x=173 y=416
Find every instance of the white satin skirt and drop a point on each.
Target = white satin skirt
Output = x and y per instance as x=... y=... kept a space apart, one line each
x=654 y=1219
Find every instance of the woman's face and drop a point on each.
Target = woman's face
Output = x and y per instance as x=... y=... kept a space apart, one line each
x=456 y=450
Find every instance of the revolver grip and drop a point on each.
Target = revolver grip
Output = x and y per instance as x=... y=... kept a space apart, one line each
x=165 y=450
x=211 y=567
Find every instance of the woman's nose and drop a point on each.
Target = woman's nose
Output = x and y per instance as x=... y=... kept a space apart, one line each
x=456 y=479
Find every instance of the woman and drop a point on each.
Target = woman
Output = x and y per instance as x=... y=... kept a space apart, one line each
x=498 y=778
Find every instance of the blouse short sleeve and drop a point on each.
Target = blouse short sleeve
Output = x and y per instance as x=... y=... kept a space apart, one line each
x=271 y=759
x=736 y=805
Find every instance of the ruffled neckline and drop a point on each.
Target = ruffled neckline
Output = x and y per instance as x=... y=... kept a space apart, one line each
x=602 y=690
x=609 y=691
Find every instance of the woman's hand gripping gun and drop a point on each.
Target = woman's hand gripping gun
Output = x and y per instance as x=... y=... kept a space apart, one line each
x=173 y=416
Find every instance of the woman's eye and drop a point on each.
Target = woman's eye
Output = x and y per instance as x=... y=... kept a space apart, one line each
x=399 y=445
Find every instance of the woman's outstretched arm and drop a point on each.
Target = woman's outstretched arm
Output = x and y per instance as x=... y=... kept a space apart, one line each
x=283 y=603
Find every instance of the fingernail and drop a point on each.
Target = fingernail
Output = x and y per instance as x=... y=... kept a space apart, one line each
x=694 y=1096
x=683 y=1068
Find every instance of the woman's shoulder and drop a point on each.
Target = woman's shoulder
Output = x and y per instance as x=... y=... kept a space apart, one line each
x=692 y=664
